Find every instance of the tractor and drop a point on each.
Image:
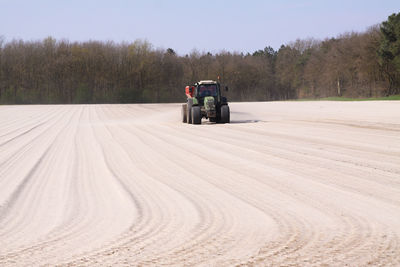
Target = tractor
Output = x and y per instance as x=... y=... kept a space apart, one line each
x=204 y=100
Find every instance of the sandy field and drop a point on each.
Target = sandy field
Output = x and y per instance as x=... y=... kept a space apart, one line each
x=285 y=184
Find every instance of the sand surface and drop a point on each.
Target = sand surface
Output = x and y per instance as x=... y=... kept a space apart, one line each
x=286 y=183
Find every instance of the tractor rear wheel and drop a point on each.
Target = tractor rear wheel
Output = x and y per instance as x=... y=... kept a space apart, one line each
x=196 y=115
x=184 y=112
x=189 y=110
x=225 y=114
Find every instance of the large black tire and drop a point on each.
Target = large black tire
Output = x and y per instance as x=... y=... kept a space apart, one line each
x=225 y=114
x=189 y=110
x=196 y=115
x=184 y=113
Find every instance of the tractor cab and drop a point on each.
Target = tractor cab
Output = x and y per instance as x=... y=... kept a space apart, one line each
x=205 y=89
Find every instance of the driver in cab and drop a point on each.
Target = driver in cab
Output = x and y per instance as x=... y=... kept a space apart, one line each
x=207 y=91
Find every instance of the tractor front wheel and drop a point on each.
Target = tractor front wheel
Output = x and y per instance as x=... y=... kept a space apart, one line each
x=225 y=114
x=196 y=115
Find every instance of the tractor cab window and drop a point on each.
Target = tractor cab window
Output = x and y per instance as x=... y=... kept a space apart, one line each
x=207 y=90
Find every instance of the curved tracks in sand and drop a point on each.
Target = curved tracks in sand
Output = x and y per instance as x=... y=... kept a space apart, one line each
x=310 y=183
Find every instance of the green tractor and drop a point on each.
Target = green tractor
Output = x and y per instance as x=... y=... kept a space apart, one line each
x=204 y=100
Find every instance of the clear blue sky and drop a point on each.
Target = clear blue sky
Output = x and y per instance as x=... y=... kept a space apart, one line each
x=243 y=26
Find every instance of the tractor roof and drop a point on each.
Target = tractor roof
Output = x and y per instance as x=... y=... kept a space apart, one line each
x=207 y=82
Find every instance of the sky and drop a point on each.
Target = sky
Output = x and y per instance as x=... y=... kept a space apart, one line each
x=203 y=25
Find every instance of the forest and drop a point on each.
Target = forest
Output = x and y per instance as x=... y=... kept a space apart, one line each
x=355 y=64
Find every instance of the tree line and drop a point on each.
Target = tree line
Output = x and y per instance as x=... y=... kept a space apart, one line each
x=365 y=64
